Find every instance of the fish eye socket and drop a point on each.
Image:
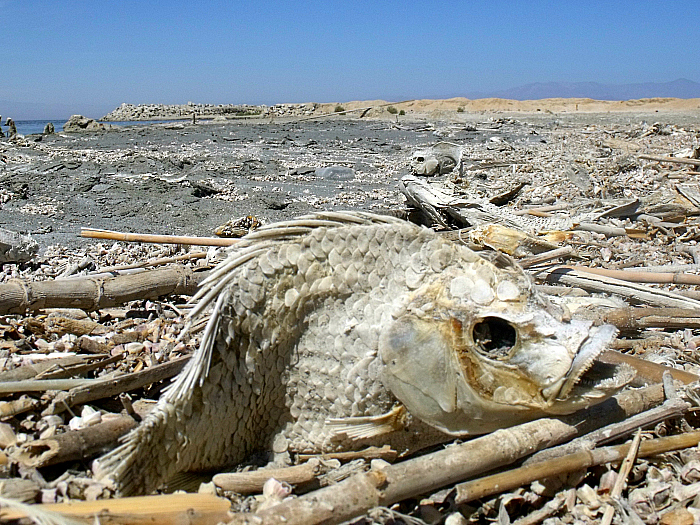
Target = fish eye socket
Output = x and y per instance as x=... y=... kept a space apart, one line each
x=494 y=337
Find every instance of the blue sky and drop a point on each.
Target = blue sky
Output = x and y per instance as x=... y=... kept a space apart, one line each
x=64 y=56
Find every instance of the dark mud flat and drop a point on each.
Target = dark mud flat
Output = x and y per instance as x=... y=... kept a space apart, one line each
x=188 y=181
x=184 y=179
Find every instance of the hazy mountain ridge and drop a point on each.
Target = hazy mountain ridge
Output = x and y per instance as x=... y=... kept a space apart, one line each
x=680 y=88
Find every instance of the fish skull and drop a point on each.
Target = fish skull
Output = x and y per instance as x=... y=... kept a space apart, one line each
x=474 y=362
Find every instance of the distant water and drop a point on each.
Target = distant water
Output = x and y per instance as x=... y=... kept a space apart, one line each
x=27 y=127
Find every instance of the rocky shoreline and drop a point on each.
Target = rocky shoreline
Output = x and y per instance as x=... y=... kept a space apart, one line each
x=448 y=108
x=140 y=112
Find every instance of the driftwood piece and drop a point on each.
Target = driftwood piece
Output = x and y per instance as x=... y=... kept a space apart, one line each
x=539 y=208
x=632 y=291
x=167 y=509
x=18 y=489
x=626 y=209
x=386 y=453
x=643 y=276
x=669 y=409
x=42 y=385
x=623 y=475
x=79 y=369
x=75 y=267
x=564 y=251
x=99 y=389
x=508 y=195
x=648 y=370
x=28 y=371
x=675 y=160
x=637 y=319
x=608 y=231
x=512 y=479
x=252 y=482
x=65 y=325
x=89 y=293
x=674 y=268
x=16 y=406
x=154 y=262
x=161 y=239
x=361 y=492
x=76 y=444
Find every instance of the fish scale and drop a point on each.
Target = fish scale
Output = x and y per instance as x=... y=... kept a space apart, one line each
x=290 y=359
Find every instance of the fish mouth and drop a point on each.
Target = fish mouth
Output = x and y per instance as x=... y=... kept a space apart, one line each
x=589 y=378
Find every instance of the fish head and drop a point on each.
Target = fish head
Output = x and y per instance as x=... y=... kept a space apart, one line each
x=478 y=348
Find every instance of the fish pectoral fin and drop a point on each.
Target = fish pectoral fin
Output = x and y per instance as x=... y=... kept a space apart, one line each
x=356 y=428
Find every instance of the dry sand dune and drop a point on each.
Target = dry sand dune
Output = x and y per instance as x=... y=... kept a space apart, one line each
x=555 y=105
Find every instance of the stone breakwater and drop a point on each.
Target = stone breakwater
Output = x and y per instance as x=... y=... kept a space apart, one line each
x=127 y=112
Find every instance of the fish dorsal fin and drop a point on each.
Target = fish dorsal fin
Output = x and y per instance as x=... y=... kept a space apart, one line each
x=356 y=428
x=286 y=230
x=265 y=237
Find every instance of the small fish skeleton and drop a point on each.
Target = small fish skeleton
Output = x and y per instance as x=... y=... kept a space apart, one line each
x=342 y=330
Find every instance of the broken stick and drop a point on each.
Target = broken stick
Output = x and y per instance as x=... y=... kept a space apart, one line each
x=161 y=239
x=166 y=509
x=252 y=482
x=512 y=479
x=99 y=389
x=89 y=293
x=647 y=370
x=75 y=445
x=637 y=319
x=671 y=408
x=564 y=251
x=632 y=291
x=385 y=453
x=692 y=162
x=621 y=481
x=643 y=276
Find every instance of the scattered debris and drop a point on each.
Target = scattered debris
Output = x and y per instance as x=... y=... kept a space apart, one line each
x=16 y=248
x=238 y=227
x=92 y=329
x=440 y=159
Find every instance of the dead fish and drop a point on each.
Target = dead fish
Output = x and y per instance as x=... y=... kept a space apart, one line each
x=342 y=330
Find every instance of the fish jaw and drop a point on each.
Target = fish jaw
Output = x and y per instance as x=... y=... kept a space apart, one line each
x=590 y=381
